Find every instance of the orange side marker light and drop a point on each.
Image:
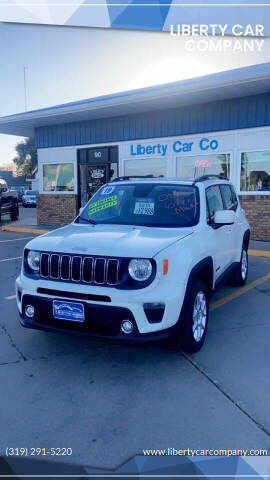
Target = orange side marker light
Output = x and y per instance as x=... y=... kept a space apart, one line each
x=165 y=266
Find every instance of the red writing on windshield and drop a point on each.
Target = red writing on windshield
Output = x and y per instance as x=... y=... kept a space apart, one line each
x=173 y=201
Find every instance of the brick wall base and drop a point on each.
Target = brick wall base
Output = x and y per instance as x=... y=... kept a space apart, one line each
x=257 y=208
x=53 y=209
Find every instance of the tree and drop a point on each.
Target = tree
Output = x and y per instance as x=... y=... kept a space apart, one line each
x=26 y=158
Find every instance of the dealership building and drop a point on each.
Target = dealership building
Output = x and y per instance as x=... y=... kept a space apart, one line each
x=216 y=124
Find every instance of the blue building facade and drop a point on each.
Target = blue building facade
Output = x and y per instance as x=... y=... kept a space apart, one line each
x=245 y=112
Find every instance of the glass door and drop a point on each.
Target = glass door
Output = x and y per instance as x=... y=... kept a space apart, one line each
x=96 y=166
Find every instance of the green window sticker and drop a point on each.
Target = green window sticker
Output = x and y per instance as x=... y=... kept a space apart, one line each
x=106 y=202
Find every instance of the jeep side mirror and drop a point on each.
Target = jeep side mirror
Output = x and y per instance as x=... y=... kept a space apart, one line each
x=224 y=217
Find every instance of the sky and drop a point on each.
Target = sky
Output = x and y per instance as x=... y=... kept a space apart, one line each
x=64 y=64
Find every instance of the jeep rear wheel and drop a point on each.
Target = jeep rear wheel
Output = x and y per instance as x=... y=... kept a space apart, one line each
x=193 y=319
x=240 y=273
x=14 y=212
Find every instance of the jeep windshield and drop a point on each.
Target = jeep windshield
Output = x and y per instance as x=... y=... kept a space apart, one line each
x=144 y=204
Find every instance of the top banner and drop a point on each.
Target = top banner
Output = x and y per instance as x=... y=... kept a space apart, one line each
x=155 y=15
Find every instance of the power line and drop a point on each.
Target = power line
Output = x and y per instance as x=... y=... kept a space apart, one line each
x=25 y=95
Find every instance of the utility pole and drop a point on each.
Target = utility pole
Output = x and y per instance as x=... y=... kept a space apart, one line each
x=25 y=96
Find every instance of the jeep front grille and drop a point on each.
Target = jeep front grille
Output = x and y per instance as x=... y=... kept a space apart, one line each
x=80 y=269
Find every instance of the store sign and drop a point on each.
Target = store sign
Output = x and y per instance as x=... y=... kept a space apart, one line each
x=97 y=173
x=203 y=163
x=203 y=144
x=158 y=149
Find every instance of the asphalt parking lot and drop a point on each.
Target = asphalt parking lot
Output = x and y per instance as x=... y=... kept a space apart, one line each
x=27 y=217
x=108 y=401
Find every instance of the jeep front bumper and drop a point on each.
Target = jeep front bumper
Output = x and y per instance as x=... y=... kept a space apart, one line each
x=102 y=318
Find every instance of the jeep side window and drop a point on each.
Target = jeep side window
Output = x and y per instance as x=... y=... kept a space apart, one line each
x=234 y=196
x=214 y=202
x=230 y=200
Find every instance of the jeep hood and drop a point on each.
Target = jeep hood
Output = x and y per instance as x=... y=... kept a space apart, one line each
x=109 y=240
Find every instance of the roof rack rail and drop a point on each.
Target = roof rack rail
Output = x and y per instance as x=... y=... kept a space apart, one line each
x=208 y=177
x=128 y=177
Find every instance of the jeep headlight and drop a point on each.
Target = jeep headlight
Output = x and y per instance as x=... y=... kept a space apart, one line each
x=33 y=260
x=140 y=269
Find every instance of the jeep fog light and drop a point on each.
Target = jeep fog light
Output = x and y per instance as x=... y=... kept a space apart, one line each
x=29 y=311
x=126 y=326
x=140 y=269
x=33 y=260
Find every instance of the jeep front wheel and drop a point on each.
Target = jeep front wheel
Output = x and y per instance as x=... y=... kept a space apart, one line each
x=193 y=319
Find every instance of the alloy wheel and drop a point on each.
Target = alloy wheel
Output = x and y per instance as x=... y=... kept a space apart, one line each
x=244 y=265
x=199 y=316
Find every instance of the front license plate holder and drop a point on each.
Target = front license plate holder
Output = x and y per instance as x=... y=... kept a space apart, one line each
x=70 y=311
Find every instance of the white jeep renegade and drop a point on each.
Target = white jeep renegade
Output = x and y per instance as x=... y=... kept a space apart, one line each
x=140 y=261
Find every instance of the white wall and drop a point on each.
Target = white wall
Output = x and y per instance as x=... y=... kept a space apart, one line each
x=233 y=142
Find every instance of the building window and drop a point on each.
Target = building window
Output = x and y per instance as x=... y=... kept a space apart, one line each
x=255 y=171
x=197 y=165
x=148 y=166
x=58 y=177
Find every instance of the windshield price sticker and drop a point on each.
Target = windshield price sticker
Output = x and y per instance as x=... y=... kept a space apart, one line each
x=144 y=207
x=102 y=204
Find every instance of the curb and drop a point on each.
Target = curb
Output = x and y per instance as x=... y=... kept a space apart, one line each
x=36 y=231
x=259 y=253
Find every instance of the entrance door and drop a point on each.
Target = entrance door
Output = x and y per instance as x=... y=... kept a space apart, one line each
x=98 y=175
x=96 y=166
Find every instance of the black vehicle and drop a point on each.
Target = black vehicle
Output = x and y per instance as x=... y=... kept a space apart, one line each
x=8 y=201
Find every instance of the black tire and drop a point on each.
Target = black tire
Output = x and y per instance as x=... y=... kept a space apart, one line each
x=187 y=331
x=14 y=212
x=240 y=273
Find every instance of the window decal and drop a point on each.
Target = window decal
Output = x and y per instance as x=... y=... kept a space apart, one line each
x=102 y=204
x=107 y=190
